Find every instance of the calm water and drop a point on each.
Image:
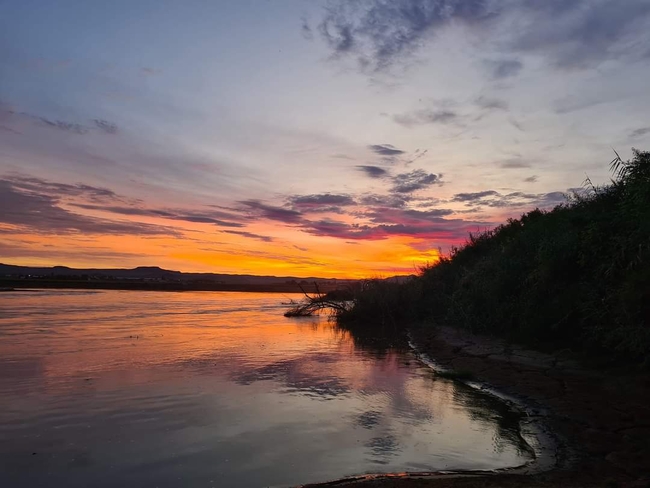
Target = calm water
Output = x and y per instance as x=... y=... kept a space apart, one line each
x=145 y=389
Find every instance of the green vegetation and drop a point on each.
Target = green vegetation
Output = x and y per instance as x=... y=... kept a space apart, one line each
x=576 y=277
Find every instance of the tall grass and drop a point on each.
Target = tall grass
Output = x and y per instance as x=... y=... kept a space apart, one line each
x=577 y=276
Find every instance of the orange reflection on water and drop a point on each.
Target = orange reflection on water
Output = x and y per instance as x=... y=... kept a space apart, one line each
x=229 y=388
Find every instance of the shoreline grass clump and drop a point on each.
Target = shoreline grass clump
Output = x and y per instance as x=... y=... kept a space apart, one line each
x=576 y=276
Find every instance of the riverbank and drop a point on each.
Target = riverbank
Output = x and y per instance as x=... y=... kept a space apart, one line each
x=601 y=418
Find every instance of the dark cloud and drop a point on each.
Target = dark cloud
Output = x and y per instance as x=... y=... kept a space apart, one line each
x=472 y=197
x=271 y=212
x=570 y=34
x=373 y=171
x=322 y=199
x=380 y=32
x=493 y=198
x=640 y=132
x=386 y=150
x=504 y=68
x=320 y=203
x=393 y=201
x=427 y=116
x=250 y=235
x=414 y=180
x=41 y=213
x=531 y=179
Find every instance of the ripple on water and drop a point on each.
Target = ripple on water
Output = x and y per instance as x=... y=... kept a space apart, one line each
x=101 y=387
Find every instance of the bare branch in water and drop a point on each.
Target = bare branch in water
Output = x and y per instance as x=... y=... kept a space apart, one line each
x=336 y=302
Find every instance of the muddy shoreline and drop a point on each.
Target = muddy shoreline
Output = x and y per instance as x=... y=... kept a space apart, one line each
x=599 y=420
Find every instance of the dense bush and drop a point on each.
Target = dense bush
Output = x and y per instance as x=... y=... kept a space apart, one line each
x=577 y=276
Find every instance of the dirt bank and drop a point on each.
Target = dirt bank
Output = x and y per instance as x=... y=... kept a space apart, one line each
x=601 y=418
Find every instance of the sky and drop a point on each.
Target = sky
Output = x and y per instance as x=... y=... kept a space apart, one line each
x=350 y=139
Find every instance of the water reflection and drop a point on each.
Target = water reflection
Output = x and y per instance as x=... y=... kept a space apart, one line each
x=299 y=375
x=487 y=409
x=165 y=389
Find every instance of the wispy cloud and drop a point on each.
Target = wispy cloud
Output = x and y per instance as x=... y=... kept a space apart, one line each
x=35 y=212
x=250 y=235
x=7 y=113
x=373 y=171
x=380 y=33
x=414 y=180
x=386 y=150
x=271 y=212
x=639 y=132
x=320 y=203
x=473 y=197
x=487 y=103
x=149 y=71
x=306 y=30
x=571 y=34
x=64 y=126
x=320 y=199
x=29 y=250
x=387 y=215
x=394 y=200
x=438 y=229
x=515 y=163
x=62 y=190
x=88 y=197
x=183 y=215
x=495 y=199
x=106 y=126
x=427 y=116
x=582 y=33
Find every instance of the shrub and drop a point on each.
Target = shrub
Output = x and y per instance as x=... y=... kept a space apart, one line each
x=576 y=276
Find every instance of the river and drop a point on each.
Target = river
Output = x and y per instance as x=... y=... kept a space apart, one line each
x=202 y=389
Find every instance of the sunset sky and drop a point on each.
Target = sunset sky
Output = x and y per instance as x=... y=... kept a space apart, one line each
x=304 y=138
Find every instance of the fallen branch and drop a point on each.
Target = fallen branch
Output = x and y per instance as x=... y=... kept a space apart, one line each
x=336 y=302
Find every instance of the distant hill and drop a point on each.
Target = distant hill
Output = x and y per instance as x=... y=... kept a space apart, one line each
x=154 y=273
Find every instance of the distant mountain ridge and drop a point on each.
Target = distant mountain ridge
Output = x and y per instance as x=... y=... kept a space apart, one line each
x=155 y=273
